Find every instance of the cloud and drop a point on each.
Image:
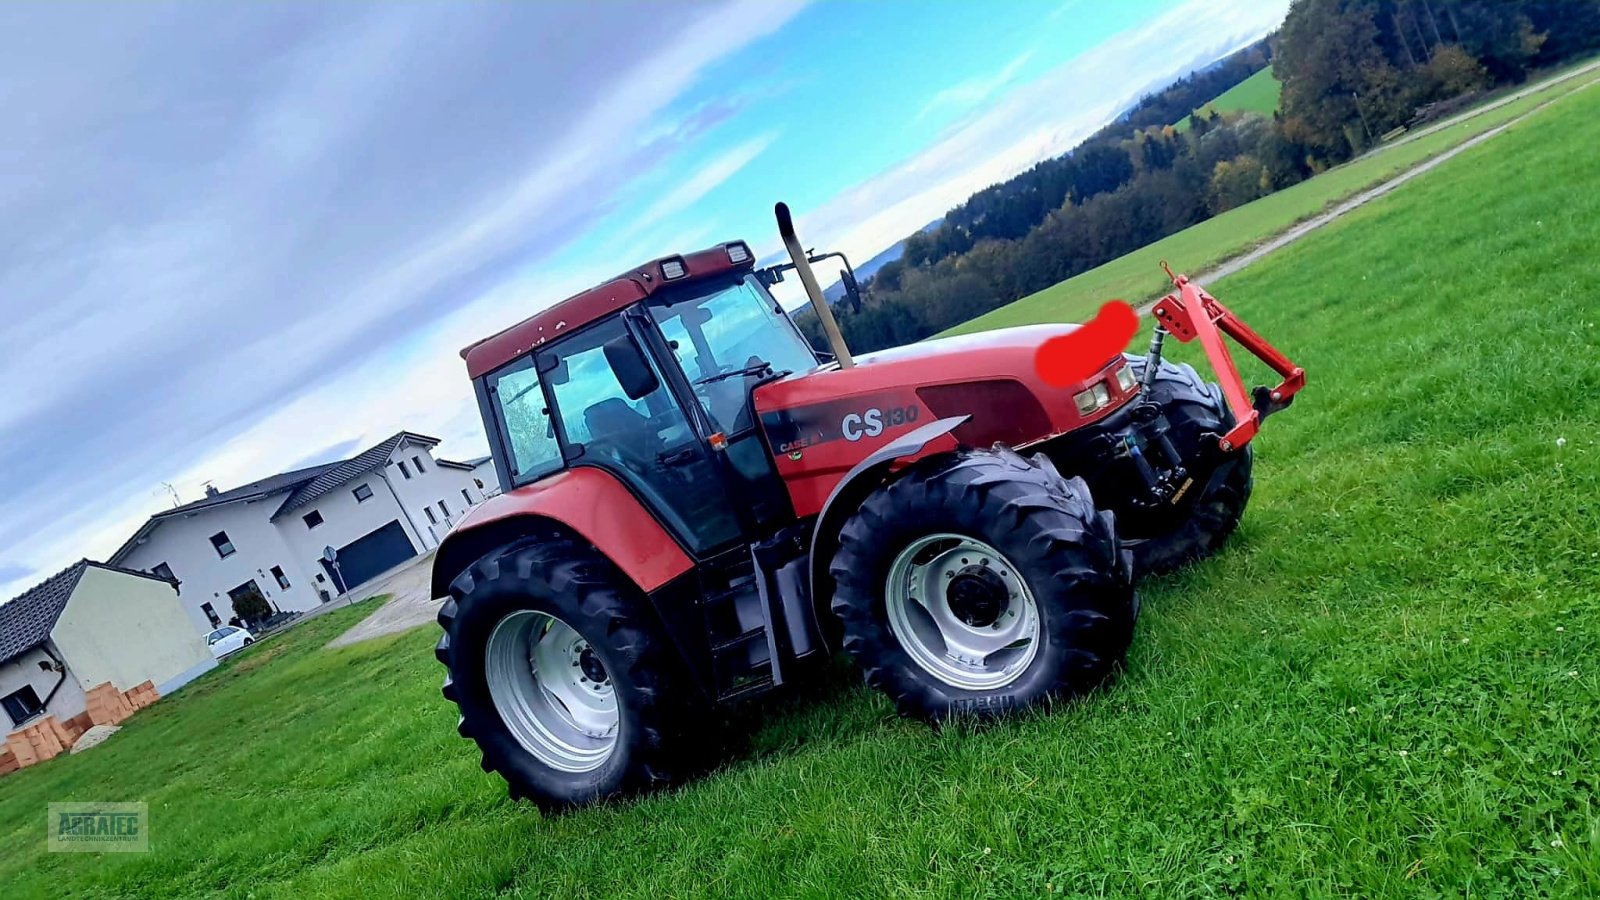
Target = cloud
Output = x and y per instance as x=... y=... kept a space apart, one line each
x=970 y=93
x=332 y=453
x=230 y=234
x=1034 y=121
x=225 y=227
x=708 y=178
x=10 y=572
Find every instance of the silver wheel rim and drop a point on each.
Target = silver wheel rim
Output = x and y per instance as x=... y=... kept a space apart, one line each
x=542 y=678
x=974 y=657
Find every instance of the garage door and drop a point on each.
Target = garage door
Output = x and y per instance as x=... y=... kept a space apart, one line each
x=367 y=557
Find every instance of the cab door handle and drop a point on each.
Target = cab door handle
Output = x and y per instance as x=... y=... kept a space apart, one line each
x=673 y=457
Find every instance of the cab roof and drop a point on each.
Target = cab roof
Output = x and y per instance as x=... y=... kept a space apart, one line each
x=597 y=302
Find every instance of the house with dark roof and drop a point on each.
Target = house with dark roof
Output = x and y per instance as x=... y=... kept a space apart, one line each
x=484 y=477
x=87 y=647
x=268 y=539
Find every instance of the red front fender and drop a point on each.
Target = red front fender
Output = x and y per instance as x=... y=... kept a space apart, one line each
x=585 y=500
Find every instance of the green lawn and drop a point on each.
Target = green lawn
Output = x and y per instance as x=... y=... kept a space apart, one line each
x=1258 y=94
x=1388 y=685
x=1137 y=276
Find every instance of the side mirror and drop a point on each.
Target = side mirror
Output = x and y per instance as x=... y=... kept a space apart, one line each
x=852 y=290
x=633 y=371
x=552 y=369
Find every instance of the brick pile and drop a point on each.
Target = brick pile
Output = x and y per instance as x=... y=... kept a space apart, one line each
x=48 y=737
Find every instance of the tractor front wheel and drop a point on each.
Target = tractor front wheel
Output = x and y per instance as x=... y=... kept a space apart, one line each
x=1196 y=414
x=980 y=583
x=561 y=675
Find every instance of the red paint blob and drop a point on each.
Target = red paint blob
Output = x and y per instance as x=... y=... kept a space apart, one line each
x=1070 y=358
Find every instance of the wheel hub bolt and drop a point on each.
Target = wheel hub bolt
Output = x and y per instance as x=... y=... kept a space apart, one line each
x=977 y=596
x=593 y=669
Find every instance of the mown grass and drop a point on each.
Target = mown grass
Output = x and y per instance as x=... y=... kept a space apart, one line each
x=1137 y=276
x=1257 y=94
x=1386 y=685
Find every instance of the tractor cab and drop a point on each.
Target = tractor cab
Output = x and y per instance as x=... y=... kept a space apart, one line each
x=649 y=379
x=658 y=394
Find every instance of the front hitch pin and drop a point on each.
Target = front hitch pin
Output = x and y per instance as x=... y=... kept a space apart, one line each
x=1152 y=360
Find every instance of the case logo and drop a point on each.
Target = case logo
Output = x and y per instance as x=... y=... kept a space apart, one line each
x=858 y=425
x=870 y=423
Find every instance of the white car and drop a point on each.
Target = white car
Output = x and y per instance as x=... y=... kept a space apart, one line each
x=227 y=639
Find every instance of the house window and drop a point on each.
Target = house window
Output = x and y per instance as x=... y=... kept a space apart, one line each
x=283 y=580
x=478 y=482
x=320 y=579
x=211 y=614
x=466 y=496
x=403 y=470
x=223 y=546
x=162 y=570
x=312 y=519
x=363 y=493
x=22 y=704
x=444 y=509
x=417 y=461
x=428 y=511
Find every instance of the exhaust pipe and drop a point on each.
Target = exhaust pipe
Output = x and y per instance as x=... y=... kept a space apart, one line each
x=802 y=265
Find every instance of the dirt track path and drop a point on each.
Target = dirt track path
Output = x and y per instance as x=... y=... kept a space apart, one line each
x=1361 y=199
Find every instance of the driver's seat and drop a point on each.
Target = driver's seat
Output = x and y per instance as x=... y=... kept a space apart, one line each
x=612 y=421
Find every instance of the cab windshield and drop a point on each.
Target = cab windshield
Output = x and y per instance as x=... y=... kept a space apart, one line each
x=724 y=338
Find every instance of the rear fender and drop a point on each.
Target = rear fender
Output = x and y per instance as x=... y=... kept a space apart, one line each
x=585 y=501
x=848 y=494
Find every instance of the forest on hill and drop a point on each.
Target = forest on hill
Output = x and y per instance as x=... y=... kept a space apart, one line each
x=1352 y=71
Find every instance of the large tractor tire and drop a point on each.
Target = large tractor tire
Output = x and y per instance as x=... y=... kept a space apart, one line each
x=561 y=674
x=1196 y=413
x=979 y=583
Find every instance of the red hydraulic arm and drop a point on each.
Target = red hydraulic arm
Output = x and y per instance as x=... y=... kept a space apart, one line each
x=1191 y=313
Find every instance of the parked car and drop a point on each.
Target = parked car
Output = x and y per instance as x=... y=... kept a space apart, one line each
x=227 y=639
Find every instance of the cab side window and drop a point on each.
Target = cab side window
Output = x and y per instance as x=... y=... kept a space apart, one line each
x=531 y=446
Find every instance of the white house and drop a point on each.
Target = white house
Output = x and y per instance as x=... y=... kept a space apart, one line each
x=484 y=477
x=89 y=646
x=377 y=509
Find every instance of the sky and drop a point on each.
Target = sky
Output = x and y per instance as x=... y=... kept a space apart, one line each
x=237 y=239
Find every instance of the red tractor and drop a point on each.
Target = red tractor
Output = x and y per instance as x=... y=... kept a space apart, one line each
x=697 y=506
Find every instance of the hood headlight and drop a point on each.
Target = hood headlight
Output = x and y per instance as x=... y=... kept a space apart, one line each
x=1125 y=379
x=1092 y=399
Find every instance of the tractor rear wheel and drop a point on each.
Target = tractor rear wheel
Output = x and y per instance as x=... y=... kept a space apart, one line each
x=979 y=583
x=561 y=675
x=1196 y=414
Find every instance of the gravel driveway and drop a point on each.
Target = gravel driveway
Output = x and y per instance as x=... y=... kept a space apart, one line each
x=409 y=606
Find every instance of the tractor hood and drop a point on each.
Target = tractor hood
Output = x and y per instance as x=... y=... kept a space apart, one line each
x=1020 y=342
x=821 y=423
x=1005 y=353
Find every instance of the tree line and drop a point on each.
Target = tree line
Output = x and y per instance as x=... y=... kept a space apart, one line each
x=1352 y=71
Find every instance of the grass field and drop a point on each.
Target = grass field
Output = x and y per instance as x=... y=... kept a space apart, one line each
x=1258 y=93
x=1137 y=276
x=1388 y=685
